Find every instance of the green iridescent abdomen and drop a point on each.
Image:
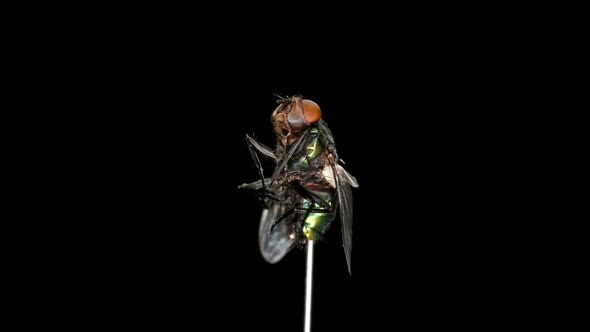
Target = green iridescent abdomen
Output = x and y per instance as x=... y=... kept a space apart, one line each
x=317 y=224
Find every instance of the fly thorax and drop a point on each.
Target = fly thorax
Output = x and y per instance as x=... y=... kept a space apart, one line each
x=309 y=158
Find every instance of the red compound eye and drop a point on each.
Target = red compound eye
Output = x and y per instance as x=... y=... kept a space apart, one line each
x=311 y=111
x=303 y=113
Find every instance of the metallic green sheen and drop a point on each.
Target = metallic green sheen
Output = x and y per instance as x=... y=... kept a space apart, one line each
x=314 y=149
x=316 y=224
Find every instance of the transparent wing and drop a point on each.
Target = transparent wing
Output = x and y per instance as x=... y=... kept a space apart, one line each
x=343 y=183
x=275 y=244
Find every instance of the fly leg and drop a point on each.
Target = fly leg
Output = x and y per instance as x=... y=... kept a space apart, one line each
x=260 y=188
x=263 y=193
x=306 y=213
x=253 y=146
x=265 y=150
x=256 y=185
x=295 y=148
x=305 y=194
x=313 y=198
x=294 y=179
x=281 y=218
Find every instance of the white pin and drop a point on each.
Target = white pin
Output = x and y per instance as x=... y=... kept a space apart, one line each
x=308 y=286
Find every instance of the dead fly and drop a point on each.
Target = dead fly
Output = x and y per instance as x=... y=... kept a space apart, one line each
x=308 y=184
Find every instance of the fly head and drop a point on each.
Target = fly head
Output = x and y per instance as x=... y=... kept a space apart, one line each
x=292 y=116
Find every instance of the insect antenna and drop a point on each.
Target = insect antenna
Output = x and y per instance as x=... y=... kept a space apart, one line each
x=281 y=98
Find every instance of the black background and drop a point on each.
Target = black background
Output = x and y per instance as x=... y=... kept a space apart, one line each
x=121 y=209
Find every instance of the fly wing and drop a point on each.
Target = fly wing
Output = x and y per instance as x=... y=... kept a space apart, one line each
x=343 y=183
x=275 y=243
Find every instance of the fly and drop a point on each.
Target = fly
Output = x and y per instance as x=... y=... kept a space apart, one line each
x=308 y=186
